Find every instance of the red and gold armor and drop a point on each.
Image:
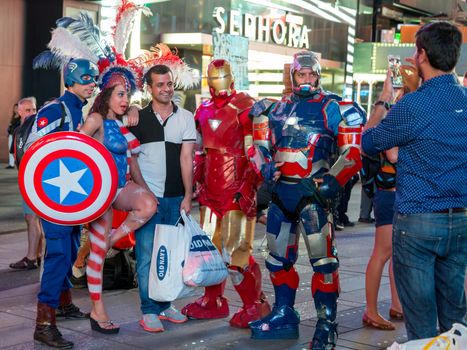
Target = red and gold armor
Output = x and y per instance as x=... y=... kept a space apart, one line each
x=227 y=189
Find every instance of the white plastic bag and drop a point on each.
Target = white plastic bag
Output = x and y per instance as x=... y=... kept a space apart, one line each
x=454 y=339
x=171 y=244
x=204 y=265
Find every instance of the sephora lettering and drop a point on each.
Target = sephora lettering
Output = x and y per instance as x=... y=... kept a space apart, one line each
x=288 y=30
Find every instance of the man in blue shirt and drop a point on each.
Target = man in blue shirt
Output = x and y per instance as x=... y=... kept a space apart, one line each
x=62 y=241
x=430 y=226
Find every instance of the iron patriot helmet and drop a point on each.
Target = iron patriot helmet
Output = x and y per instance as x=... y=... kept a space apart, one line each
x=81 y=71
x=305 y=59
x=220 y=78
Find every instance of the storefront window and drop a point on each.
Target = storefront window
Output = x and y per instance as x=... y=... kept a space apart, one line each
x=266 y=58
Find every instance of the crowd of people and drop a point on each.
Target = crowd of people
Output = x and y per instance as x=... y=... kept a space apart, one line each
x=298 y=154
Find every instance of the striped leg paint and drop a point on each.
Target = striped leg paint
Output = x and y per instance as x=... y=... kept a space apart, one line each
x=96 y=258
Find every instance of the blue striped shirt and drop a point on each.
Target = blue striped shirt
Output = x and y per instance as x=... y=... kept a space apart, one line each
x=430 y=128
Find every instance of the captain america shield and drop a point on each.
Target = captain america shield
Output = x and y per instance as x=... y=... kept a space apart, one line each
x=68 y=178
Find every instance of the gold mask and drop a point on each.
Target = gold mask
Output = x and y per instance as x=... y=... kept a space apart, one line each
x=220 y=77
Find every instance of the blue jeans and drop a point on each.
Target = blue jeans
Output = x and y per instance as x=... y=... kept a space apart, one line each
x=168 y=212
x=430 y=257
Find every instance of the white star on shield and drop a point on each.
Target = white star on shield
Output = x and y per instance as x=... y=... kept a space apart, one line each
x=67 y=181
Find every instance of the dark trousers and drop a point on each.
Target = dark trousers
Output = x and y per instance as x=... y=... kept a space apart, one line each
x=62 y=244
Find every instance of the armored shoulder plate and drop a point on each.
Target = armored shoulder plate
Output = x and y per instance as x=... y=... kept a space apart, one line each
x=352 y=113
x=242 y=101
x=262 y=107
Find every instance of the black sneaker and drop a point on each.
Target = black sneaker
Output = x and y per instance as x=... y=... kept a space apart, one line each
x=71 y=311
x=79 y=282
x=339 y=226
x=348 y=224
x=366 y=220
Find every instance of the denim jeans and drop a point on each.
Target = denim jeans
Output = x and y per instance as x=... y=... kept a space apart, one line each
x=430 y=257
x=168 y=212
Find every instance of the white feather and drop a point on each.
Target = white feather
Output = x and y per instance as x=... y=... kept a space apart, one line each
x=125 y=25
x=63 y=43
x=184 y=77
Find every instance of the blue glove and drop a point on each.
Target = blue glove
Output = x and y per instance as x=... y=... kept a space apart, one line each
x=329 y=188
x=268 y=170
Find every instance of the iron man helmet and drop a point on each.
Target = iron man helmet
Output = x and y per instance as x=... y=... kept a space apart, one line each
x=220 y=78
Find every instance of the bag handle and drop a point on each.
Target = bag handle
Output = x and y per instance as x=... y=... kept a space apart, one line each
x=189 y=221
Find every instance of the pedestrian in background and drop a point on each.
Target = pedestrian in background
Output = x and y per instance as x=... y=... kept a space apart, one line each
x=15 y=121
x=27 y=109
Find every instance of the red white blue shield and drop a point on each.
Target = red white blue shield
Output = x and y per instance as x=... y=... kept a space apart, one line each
x=68 y=178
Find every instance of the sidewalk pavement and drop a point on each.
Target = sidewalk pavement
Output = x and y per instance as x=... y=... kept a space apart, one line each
x=18 y=290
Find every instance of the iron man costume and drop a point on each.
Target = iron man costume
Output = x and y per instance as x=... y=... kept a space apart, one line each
x=297 y=136
x=227 y=190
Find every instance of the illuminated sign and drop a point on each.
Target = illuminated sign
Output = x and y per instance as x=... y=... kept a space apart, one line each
x=287 y=30
x=234 y=49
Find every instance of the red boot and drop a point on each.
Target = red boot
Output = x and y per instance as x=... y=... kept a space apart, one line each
x=255 y=305
x=211 y=305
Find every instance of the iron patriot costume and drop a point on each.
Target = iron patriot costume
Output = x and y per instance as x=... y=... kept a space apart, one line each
x=297 y=137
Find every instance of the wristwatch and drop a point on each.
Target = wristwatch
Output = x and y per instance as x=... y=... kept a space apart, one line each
x=383 y=103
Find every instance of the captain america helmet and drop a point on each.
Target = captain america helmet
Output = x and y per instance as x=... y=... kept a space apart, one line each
x=305 y=59
x=81 y=71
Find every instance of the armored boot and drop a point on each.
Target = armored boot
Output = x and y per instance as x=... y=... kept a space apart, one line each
x=211 y=305
x=46 y=331
x=283 y=321
x=254 y=301
x=325 y=289
x=325 y=337
x=69 y=310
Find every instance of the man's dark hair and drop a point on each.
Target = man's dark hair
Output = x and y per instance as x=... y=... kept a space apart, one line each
x=159 y=69
x=442 y=43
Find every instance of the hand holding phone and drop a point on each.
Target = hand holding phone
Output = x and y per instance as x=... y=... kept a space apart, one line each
x=394 y=63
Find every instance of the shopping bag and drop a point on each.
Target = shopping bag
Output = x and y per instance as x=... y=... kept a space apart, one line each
x=454 y=339
x=204 y=265
x=171 y=244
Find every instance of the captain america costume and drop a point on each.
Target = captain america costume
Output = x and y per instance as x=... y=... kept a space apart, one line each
x=296 y=137
x=55 y=280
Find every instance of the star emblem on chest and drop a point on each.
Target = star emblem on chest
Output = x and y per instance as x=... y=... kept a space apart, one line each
x=214 y=123
x=292 y=121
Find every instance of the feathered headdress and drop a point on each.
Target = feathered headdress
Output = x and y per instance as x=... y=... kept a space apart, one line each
x=81 y=38
x=184 y=76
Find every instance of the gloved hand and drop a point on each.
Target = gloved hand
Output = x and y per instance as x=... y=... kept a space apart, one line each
x=328 y=186
x=268 y=170
x=247 y=204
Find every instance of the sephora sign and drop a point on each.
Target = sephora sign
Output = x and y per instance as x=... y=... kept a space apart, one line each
x=287 y=30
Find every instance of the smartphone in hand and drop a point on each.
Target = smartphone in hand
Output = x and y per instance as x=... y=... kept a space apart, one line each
x=394 y=64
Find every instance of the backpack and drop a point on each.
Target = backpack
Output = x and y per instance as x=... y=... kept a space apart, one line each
x=368 y=172
x=386 y=177
x=24 y=130
x=119 y=271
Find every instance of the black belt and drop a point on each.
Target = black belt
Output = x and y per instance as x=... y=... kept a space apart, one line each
x=451 y=210
x=294 y=180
